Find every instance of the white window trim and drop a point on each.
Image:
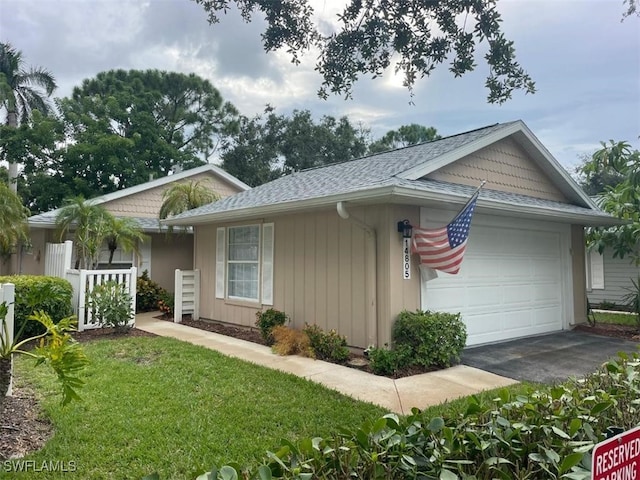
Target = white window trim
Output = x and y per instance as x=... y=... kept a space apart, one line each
x=595 y=270
x=265 y=264
x=259 y=263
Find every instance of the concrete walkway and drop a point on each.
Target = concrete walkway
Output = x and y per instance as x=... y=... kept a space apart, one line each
x=395 y=395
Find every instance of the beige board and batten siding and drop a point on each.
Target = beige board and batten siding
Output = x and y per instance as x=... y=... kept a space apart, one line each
x=506 y=167
x=324 y=273
x=147 y=204
x=170 y=252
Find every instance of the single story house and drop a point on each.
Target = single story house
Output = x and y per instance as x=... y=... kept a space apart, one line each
x=161 y=253
x=609 y=278
x=323 y=244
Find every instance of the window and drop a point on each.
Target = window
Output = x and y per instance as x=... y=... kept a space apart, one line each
x=243 y=264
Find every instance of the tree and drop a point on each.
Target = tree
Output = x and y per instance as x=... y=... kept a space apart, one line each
x=124 y=233
x=20 y=94
x=184 y=196
x=403 y=137
x=253 y=154
x=123 y=126
x=621 y=200
x=416 y=35
x=89 y=224
x=273 y=145
x=13 y=221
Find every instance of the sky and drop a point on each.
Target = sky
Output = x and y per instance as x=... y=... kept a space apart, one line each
x=584 y=60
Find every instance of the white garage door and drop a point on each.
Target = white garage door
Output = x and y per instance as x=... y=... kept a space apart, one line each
x=513 y=281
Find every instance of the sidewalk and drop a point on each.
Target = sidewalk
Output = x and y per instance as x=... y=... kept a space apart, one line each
x=396 y=395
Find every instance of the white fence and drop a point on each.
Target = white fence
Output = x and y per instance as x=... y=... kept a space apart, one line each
x=57 y=259
x=7 y=295
x=187 y=294
x=84 y=281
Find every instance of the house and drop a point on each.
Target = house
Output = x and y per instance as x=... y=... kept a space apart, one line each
x=323 y=244
x=608 y=277
x=160 y=254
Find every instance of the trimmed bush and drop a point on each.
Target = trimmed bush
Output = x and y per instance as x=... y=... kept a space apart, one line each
x=436 y=339
x=288 y=341
x=148 y=293
x=327 y=345
x=384 y=361
x=51 y=295
x=269 y=319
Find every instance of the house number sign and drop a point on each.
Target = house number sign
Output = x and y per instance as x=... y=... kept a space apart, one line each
x=406 y=259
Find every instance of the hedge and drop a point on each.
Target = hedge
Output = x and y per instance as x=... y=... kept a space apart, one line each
x=39 y=292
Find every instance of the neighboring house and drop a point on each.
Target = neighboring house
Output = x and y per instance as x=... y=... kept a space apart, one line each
x=608 y=278
x=323 y=244
x=161 y=253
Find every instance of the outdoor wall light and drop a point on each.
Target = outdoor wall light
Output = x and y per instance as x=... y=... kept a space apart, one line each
x=405 y=228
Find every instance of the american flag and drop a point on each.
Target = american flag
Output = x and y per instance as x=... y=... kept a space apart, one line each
x=443 y=248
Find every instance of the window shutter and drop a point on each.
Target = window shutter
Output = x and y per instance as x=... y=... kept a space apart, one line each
x=220 y=262
x=267 y=264
x=597 y=270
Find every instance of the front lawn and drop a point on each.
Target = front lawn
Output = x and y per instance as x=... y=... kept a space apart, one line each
x=158 y=404
x=615 y=318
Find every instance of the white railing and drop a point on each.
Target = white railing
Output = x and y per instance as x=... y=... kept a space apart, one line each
x=187 y=294
x=57 y=259
x=84 y=281
x=7 y=295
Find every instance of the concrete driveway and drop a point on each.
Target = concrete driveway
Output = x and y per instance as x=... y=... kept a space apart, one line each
x=548 y=358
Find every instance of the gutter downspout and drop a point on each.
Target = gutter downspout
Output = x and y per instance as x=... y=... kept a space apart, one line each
x=371 y=273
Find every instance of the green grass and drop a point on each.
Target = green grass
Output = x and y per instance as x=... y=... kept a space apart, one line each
x=616 y=318
x=158 y=404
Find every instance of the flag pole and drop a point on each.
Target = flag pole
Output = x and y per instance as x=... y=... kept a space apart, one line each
x=473 y=197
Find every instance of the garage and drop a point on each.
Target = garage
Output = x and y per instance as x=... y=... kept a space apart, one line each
x=514 y=281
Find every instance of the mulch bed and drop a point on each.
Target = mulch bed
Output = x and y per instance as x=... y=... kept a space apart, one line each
x=626 y=332
x=109 y=334
x=23 y=428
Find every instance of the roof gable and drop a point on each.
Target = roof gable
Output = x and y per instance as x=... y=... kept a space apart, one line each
x=141 y=201
x=536 y=151
x=506 y=167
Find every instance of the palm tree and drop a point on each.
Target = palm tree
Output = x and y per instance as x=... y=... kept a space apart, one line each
x=90 y=226
x=185 y=196
x=13 y=220
x=124 y=233
x=19 y=94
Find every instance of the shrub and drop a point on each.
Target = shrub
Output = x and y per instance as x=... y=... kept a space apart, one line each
x=166 y=303
x=51 y=295
x=148 y=293
x=111 y=305
x=327 y=346
x=384 y=361
x=268 y=319
x=436 y=339
x=543 y=434
x=288 y=341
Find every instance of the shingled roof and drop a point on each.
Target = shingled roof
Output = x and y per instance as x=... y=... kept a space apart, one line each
x=398 y=173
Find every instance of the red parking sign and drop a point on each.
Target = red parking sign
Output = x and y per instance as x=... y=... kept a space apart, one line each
x=617 y=458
